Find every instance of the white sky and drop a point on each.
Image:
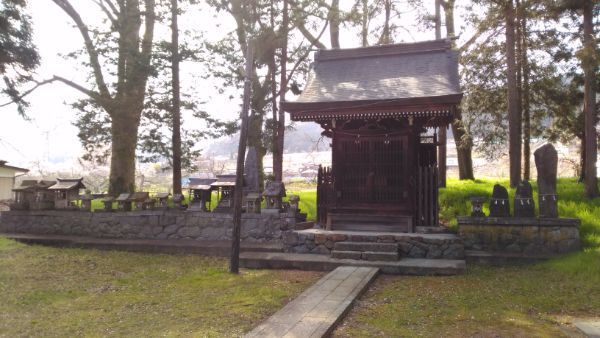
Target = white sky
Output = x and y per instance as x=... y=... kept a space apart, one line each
x=50 y=137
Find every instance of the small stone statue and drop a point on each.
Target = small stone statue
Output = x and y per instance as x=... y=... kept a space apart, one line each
x=499 y=205
x=477 y=206
x=546 y=162
x=524 y=204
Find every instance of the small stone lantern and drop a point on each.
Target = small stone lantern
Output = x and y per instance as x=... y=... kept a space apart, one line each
x=274 y=192
x=86 y=201
x=123 y=202
x=108 y=202
x=163 y=200
x=141 y=199
x=253 y=203
x=178 y=201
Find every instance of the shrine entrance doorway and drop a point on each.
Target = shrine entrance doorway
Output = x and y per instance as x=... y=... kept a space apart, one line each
x=371 y=172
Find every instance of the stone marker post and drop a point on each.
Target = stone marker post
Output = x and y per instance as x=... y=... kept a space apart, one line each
x=524 y=205
x=499 y=205
x=546 y=162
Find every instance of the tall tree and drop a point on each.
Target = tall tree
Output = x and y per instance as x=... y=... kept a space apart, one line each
x=442 y=137
x=462 y=139
x=334 y=23
x=278 y=144
x=239 y=172
x=123 y=101
x=18 y=55
x=514 y=115
x=525 y=87
x=589 y=64
x=176 y=109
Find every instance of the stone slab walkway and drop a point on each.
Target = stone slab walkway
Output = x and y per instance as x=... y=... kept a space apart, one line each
x=318 y=309
x=589 y=328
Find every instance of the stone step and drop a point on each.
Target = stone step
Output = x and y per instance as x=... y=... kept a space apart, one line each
x=366 y=246
x=366 y=255
x=314 y=262
x=380 y=256
x=346 y=254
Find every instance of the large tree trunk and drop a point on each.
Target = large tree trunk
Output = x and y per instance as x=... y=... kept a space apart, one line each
x=364 y=32
x=442 y=137
x=124 y=131
x=133 y=68
x=176 y=136
x=462 y=140
x=334 y=23
x=525 y=96
x=255 y=139
x=589 y=64
x=279 y=140
x=385 y=37
x=581 y=172
x=464 y=148
x=514 y=116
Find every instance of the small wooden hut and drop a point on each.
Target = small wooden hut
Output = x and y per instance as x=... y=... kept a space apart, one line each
x=200 y=193
x=33 y=195
x=381 y=106
x=224 y=185
x=66 y=191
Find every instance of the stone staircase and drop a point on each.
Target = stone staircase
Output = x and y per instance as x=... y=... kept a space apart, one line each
x=369 y=251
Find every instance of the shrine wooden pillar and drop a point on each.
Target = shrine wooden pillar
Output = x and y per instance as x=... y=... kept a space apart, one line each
x=442 y=137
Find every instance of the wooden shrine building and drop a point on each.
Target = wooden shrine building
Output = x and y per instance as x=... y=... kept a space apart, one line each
x=381 y=106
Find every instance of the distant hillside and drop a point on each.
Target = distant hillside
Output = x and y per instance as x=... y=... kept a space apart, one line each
x=302 y=139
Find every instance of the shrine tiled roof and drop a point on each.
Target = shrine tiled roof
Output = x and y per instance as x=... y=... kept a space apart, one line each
x=68 y=184
x=389 y=75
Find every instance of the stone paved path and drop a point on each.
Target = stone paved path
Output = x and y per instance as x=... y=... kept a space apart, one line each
x=318 y=309
x=589 y=328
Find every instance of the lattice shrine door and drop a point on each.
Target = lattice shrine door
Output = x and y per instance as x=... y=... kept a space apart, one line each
x=371 y=171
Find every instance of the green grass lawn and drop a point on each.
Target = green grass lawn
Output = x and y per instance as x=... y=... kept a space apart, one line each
x=520 y=301
x=58 y=292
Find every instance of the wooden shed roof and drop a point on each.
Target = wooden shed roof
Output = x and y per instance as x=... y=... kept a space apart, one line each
x=407 y=78
x=68 y=184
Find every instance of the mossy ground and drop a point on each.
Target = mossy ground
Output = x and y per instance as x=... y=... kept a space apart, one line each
x=72 y=292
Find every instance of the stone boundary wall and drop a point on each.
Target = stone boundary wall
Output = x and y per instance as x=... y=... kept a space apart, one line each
x=519 y=235
x=156 y=224
x=446 y=246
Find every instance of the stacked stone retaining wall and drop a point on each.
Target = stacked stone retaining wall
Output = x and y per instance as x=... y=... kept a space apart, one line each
x=446 y=246
x=163 y=224
x=520 y=235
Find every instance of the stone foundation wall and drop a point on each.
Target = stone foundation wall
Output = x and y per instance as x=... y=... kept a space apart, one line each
x=169 y=224
x=526 y=236
x=411 y=245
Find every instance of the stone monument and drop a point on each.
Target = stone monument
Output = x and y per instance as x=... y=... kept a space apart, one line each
x=499 y=205
x=524 y=204
x=546 y=162
x=251 y=183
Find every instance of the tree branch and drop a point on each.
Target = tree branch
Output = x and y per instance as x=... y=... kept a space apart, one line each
x=66 y=6
x=99 y=98
x=108 y=13
x=20 y=97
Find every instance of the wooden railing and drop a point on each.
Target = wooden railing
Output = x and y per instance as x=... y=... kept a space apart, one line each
x=427 y=196
x=325 y=193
